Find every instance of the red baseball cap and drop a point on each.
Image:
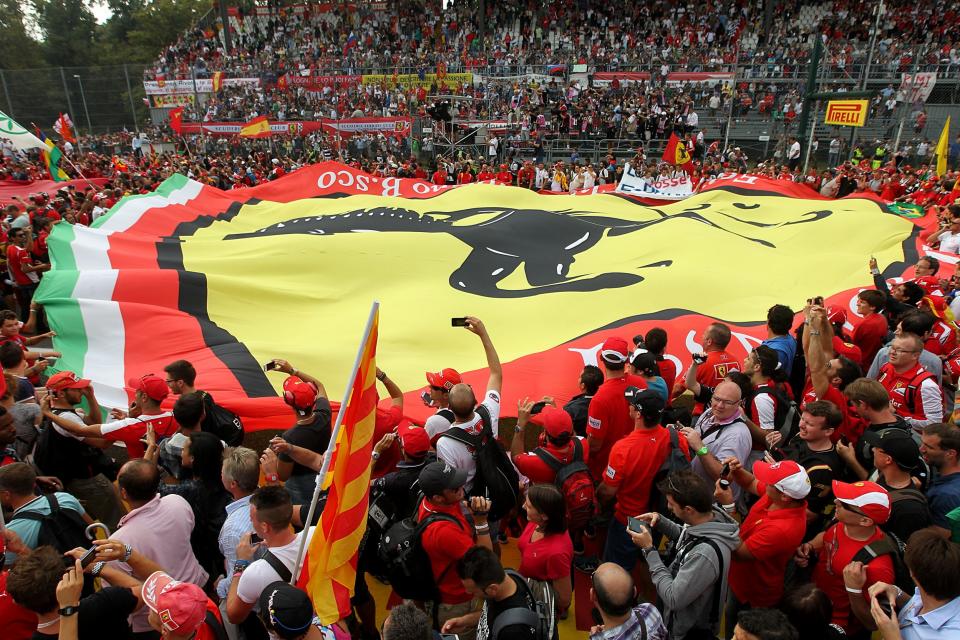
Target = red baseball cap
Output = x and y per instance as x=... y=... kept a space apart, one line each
x=554 y=421
x=786 y=475
x=299 y=393
x=444 y=379
x=836 y=313
x=181 y=606
x=615 y=350
x=869 y=497
x=67 y=380
x=152 y=385
x=414 y=440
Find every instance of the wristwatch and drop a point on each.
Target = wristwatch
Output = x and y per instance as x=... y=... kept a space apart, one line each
x=69 y=610
x=97 y=568
x=517 y=429
x=702 y=451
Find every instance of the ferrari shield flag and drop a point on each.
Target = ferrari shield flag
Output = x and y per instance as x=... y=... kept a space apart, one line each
x=232 y=279
x=330 y=568
x=676 y=154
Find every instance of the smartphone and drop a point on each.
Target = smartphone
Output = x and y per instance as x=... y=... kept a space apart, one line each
x=537 y=408
x=636 y=525
x=725 y=470
x=270 y=366
x=458 y=322
x=886 y=605
x=449 y=636
x=254 y=538
x=699 y=358
x=88 y=557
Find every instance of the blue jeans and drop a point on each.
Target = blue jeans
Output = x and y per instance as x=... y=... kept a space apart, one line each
x=620 y=548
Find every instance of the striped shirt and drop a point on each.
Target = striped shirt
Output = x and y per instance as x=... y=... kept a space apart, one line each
x=237 y=524
x=645 y=614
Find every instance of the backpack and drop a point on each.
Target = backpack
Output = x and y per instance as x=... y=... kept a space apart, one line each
x=691 y=543
x=69 y=458
x=890 y=545
x=537 y=618
x=382 y=513
x=62 y=529
x=574 y=481
x=221 y=422
x=496 y=477
x=676 y=461
x=406 y=565
x=786 y=414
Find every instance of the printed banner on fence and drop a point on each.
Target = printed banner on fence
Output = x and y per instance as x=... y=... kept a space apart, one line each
x=347 y=127
x=847 y=113
x=605 y=78
x=317 y=83
x=660 y=189
x=172 y=101
x=497 y=252
x=413 y=79
x=918 y=87
x=203 y=85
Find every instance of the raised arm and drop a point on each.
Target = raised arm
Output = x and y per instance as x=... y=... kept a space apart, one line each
x=285 y=367
x=495 y=382
x=814 y=336
x=396 y=394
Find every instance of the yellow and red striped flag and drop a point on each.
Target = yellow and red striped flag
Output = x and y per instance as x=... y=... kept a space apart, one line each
x=259 y=127
x=217 y=80
x=330 y=566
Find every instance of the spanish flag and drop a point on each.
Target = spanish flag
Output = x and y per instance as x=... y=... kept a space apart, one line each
x=676 y=154
x=259 y=127
x=943 y=149
x=330 y=566
x=217 y=81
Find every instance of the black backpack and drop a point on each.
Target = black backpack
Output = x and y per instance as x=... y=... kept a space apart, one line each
x=538 y=618
x=890 y=545
x=221 y=422
x=68 y=458
x=406 y=565
x=675 y=461
x=786 y=414
x=496 y=477
x=62 y=529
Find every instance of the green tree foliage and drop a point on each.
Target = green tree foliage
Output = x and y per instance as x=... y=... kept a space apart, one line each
x=68 y=28
x=17 y=49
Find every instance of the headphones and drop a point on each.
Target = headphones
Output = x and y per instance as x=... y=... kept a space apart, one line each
x=290 y=399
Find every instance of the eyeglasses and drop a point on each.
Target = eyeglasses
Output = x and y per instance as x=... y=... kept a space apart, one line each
x=724 y=401
x=846 y=507
x=898 y=350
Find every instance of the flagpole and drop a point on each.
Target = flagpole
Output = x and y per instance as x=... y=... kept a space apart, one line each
x=335 y=432
x=79 y=173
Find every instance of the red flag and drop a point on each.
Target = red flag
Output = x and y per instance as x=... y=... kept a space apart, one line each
x=64 y=126
x=676 y=154
x=176 y=119
x=120 y=165
x=282 y=82
x=330 y=566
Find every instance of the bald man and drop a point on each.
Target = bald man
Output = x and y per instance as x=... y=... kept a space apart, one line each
x=614 y=594
x=720 y=433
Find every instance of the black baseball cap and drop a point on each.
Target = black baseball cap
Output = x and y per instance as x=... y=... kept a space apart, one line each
x=286 y=609
x=437 y=476
x=644 y=400
x=896 y=443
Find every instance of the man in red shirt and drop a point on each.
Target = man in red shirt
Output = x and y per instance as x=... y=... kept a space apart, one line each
x=485 y=174
x=557 y=441
x=504 y=176
x=870 y=334
x=22 y=269
x=449 y=536
x=914 y=392
x=464 y=177
x=525 y=176
x=829 y=376
x=633 y=465
x=440 y=176
x=608 y=418
x=771 y=532
x=719 y=363
x=861 y=507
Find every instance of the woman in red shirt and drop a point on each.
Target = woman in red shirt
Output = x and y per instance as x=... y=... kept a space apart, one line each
x=546 y=550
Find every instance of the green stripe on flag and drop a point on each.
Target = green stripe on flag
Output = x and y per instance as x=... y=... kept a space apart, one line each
x=906 y=210
x=56 y=295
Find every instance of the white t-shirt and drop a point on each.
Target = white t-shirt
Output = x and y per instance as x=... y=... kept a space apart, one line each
x=949 y=242
x=260 y=574
x=457 y=454
x=794 y=150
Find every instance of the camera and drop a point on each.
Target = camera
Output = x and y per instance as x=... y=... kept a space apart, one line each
x=699 y=358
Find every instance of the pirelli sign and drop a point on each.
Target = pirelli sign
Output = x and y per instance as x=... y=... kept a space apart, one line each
x=848 y=113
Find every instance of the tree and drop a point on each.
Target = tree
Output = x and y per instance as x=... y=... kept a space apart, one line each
x=17 y=49
x=68 y=28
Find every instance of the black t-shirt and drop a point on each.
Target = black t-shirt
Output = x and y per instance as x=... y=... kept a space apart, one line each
x=397 y=487
x=103 y=615
x=908 y=512
x=823 y=467
x=518 y=599
x=577 y=408
x=314 y=436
